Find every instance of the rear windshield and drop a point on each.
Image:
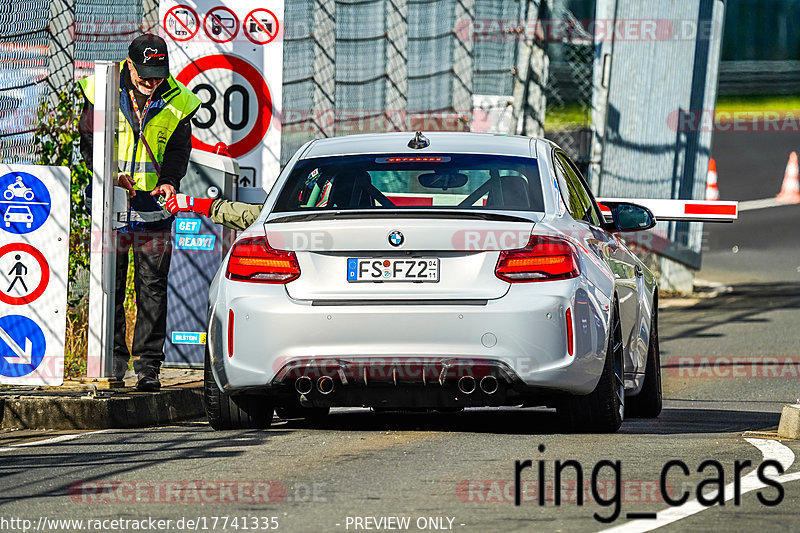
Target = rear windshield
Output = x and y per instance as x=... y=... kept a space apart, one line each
x=439 y=181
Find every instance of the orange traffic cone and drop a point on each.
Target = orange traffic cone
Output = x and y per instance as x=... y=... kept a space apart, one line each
x=790 y=190
x=712 y=191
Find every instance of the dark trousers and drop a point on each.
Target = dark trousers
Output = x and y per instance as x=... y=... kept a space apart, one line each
x=152 y=252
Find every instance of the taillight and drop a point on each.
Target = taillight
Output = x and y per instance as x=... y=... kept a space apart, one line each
x=543 y=259
x=255 y=261
x=569 y=333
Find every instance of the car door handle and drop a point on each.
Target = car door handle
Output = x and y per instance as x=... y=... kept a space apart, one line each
x=638 y=271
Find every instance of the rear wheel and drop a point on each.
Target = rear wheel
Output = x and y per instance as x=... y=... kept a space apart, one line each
x=603 y=409
x=647 y=404
x=227 y=411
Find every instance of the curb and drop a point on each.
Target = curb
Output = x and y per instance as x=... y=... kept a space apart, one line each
x=125 y=410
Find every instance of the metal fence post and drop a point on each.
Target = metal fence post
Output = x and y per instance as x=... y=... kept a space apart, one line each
x=396 y=92
x=103 y=239
x=324 y=36
x=462 y=63
x=530 y=79
x=604 y=48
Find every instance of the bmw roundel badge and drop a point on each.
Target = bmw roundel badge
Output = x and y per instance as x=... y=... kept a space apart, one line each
x=396 y=238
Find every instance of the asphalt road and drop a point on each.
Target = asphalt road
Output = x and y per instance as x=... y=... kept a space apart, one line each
x=729 y=364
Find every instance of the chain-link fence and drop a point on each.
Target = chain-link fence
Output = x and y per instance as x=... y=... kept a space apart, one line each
x=570 y=49
x=350 y=66
x=24 y=44
x=43 y=44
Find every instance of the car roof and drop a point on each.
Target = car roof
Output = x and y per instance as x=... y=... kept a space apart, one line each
x=440 y=142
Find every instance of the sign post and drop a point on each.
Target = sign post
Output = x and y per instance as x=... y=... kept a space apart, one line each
x=231 y=55
x=34 y=229
x=103 y=239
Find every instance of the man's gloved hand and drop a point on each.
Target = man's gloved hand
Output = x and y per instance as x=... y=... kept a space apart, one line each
x=181 y=202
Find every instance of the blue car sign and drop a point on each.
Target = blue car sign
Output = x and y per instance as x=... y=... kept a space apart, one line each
x=25 y=202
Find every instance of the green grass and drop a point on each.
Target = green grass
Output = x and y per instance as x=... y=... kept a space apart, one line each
x=571 y=115
x=731 y=104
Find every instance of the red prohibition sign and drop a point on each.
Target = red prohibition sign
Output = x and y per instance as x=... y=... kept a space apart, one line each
x=43 y=267
x=175 y=16
x=254 y=23
x=216 y=24
x=256 y=81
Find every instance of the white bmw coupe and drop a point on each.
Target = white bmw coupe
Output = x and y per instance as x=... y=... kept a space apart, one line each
x=438 y=272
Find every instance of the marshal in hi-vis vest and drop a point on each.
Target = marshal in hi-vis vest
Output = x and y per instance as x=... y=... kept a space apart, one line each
x=161 y=120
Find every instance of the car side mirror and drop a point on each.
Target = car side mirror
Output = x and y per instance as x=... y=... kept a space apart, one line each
x=631 y=217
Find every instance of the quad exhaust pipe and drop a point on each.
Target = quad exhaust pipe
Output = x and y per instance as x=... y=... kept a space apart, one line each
x=303 y=385
x=325 y=385
x=466 y=385
x=488 y=384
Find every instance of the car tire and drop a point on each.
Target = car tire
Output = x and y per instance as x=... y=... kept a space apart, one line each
x=306 y=413
x=227 y=411
x=603 y=409
x=647 y=404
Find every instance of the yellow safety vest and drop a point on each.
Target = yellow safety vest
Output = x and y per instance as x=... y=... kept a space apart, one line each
x=178 y=103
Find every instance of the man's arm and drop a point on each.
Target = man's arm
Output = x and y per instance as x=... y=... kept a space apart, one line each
x=234 y=215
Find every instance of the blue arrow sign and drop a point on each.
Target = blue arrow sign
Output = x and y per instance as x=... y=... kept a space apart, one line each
x=24 y=202
x=22 y=346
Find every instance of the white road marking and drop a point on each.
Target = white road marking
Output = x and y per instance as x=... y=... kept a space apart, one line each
x=749 y=205
x=770 y=449
x=53 y=440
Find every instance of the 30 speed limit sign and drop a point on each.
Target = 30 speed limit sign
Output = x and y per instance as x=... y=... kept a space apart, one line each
x=237 y=73
x=239 y=111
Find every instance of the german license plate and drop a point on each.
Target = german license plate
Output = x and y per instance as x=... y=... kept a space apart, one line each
x=410 y=269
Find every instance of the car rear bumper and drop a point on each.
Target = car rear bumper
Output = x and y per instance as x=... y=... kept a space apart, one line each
x=521 y=338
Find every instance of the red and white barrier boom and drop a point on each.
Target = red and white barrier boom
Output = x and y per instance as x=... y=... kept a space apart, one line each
x=679 y=210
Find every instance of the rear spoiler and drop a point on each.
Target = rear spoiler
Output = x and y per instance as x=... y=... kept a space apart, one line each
x=679 y=210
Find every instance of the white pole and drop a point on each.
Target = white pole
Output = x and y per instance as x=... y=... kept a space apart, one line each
x=103 y=259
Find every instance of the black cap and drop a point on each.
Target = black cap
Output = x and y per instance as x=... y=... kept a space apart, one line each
x=149 y=55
